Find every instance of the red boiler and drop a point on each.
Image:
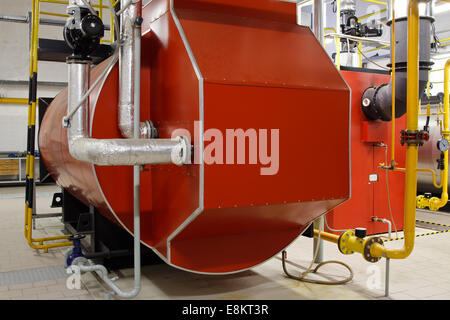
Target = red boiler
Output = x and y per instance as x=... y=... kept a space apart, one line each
x=212 y=66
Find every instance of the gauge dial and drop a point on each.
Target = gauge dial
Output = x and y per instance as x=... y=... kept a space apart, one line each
x=443 y=145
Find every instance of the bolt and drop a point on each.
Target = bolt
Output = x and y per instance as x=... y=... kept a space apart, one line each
x=366 y=102
x=139 y=21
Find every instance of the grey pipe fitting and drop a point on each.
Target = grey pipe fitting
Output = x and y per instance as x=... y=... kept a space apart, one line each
x=376 y=102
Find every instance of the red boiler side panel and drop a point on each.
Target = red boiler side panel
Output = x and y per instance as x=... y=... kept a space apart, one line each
x=209 y=67
x=370 y=198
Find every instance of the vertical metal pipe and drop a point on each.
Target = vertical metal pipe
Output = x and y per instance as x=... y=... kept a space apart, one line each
x=318 y=20
x=318 y=32
x=136 y=169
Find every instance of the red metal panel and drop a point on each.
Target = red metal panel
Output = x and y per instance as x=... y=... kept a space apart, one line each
x=230 y=239
x=233 y=49
x=369 y=199
x=305 y=172
x=267 y=10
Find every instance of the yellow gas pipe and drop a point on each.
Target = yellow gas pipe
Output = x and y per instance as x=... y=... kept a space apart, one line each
x=372 y=248
x=436 y=203
x=378 y=250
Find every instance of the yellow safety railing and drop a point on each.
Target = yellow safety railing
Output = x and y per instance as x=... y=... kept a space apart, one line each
x=35 y=243
x=376 y=2
x=338 y=23
x=40 y=243
x=371 y=14
x=13 y=101
x=100 y=6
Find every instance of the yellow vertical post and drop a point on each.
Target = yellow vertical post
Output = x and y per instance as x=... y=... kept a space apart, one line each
x=378 y=250
x=359 y=53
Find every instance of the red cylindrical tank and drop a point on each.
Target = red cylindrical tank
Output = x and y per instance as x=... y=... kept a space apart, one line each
x=209 y=66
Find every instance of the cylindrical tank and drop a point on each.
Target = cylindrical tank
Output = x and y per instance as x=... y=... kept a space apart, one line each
x=220 y=216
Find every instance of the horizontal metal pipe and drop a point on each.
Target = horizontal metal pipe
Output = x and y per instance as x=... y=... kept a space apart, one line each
x=24 y=19
x=128 y=152
x=13 y=101
x=9 y=18
x=326 y=236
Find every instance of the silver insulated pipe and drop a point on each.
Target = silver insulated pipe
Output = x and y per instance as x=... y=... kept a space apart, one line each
x=113 y=152
x=126 y=74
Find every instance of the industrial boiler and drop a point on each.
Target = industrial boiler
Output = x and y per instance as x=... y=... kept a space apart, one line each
x=224 y=216
x=214 y=133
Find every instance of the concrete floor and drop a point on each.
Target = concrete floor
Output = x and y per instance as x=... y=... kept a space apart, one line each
x=422 y=276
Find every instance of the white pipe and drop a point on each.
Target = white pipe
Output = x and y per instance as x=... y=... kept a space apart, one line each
x=386 y=281
x=99 y=269
x=127 y=81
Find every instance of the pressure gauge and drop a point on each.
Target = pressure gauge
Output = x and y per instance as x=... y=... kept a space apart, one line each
x=443 y=145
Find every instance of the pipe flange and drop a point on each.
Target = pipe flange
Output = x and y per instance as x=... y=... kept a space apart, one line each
x=181 y=155
x=343 y=240
x=369 y=242
x=148 y=130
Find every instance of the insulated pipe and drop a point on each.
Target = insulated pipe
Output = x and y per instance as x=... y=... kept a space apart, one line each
x=99 y=269
x=127 y=81
x=377 y=101
x=114 y=152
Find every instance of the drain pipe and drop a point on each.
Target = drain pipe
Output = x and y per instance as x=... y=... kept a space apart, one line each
x=388 y=260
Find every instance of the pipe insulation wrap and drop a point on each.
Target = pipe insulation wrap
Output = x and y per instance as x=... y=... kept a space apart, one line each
x=128 y=152
x=127 y=66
